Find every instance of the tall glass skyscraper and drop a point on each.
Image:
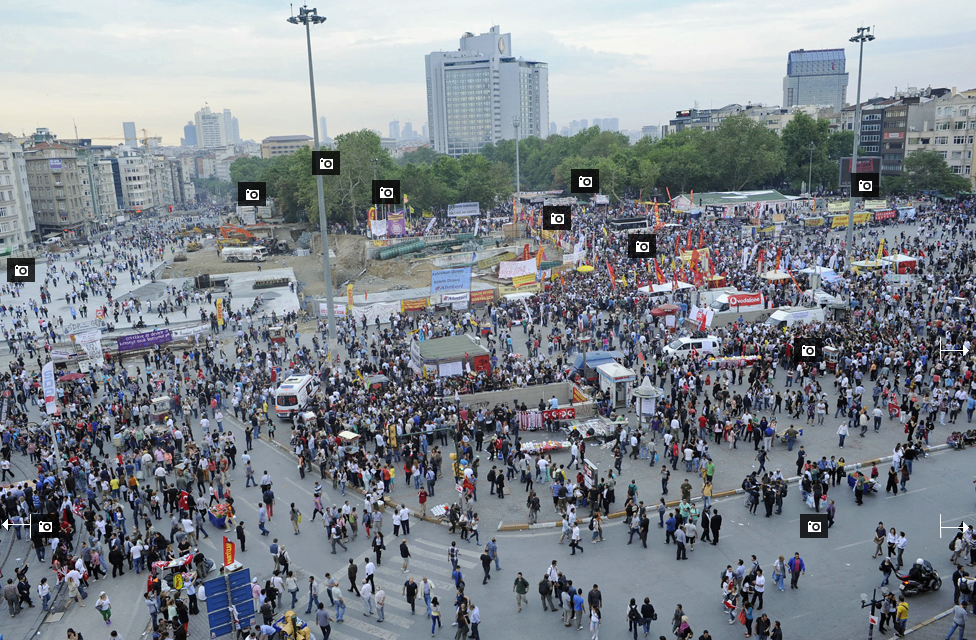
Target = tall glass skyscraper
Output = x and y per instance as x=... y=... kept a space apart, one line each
x=815 y=78
x=474 y=94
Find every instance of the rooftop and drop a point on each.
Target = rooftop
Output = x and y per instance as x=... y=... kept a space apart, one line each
x=286 y=138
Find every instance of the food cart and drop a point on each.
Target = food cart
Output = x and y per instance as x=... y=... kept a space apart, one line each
x=832 y=356
x=277 y=334
x=349 y=441
x=160 y=408
x=218 y=515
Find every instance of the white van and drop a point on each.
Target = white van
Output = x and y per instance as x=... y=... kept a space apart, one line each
x=739 y=301
x=294 y=393
x=789 y=316
x=682 y=347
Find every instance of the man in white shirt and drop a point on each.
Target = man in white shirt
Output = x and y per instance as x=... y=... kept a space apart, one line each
x=366 y=592
x=760 y=587
x=405 y=519
x=369 y=571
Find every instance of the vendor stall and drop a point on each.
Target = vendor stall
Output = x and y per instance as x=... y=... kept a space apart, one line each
x=732 y=362
x=597 y=427
x=902 y=263
x=616 y=380
x=448 y=356
x=218 y=515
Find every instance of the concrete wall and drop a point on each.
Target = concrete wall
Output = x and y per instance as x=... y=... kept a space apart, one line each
x=529 y=395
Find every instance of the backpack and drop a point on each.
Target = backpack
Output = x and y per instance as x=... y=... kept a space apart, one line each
x=591 y=525
x=633 y=614
x=544 y=587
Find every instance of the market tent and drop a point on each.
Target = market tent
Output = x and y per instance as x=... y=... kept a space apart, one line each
x=827 y=275
x=776 y=275
x=665 y=310
x=665 y=288
x=903 y=263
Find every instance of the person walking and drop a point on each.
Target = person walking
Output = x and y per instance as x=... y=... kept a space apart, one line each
x=680 y=539
x=366 y=593
x=492 y=549
x=324 y=620
x=901 y=617
x=521 y=588
x=959 y=617
x=796 y=567
x=779 y=573
x=295 y=516
x=339 y=602
x=486 y=565
x=410 y=589
x=715 y=523
x=313 y=595
x=405 y=554
x=104 y=606
x=240 y=535
x=595 y=621
x=434 y=615
x=574 y=542
x=886 y=569
x=380 y=601
x=545 y=592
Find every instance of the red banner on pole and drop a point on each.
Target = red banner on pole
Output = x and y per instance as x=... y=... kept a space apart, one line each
x=228 y=552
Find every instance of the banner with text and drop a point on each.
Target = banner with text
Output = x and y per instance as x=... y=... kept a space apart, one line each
x=48 y=386
x=396 y=224
x=463 y=209
x=516 y=269
x=339 y=309
x=446 y=280
x=485 y=295
x=414 y=305
x=148 y=339
x=451 y=298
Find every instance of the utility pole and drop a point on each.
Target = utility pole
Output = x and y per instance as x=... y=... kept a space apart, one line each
x=309 y=17
x=810 y=175
x=863 y=35
x=518 y=174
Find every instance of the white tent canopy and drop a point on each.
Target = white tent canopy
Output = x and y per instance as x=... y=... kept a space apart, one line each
x=667 y=287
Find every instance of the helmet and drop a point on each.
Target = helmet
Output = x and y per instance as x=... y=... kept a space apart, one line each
x=919 y=561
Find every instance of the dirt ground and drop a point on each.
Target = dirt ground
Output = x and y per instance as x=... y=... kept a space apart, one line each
x=347 y=265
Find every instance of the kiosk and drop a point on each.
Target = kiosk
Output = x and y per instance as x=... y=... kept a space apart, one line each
x=616 y=380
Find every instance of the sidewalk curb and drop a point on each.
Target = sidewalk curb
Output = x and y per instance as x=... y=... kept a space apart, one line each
x=926 y=623
x=722 y=494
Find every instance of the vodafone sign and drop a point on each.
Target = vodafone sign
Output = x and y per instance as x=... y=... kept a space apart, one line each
x=745 y=299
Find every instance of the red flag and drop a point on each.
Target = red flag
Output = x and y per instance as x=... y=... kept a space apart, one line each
x=228 y=552
x=640 y=355
x=658 y=272
x=677 y=246
x=688 y=243
x=711 y=265
x=561 y=280
x=613 y=280
x=670 y=199
x=525 y=252
x=779 y=253
x=701 y=238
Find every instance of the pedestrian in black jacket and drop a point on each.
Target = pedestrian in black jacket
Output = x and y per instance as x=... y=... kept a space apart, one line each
x=715 y=523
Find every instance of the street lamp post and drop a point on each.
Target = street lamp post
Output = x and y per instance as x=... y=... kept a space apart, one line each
x=518 y=174
x=863 y=35
x=874 y=603
x=810 y=174
x=309 y=17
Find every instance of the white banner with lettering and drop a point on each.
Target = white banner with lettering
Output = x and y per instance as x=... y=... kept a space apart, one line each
x=339 y=309
x=451 y=298
x=516 y=269
x=91 y=342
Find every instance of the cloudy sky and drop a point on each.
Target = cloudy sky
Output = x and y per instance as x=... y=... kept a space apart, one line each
x=101 y=62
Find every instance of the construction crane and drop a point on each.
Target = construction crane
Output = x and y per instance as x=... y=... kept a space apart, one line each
x=145 y=139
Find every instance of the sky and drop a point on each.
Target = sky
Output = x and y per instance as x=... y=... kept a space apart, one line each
x=97 y=63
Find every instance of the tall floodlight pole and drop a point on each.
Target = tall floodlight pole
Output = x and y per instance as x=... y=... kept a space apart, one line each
x=309 y=17
x=810 y=175
x=863 y=35
x=518 y=174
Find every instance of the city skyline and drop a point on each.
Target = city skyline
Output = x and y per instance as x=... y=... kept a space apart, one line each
x=123 y=66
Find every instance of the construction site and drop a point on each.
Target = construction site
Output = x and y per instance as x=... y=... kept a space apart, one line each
x=372 y=267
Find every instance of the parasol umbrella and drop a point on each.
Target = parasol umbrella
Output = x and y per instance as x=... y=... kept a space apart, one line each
x=664 y=310
x=586 y=268
x=71 y=377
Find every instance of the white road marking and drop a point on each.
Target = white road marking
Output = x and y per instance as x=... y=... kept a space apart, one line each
x=903 y=493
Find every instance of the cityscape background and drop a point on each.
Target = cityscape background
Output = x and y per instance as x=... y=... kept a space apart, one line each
x=99 y=64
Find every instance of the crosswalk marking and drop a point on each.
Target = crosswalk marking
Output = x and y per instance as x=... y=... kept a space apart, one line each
x=467 y=564
x=416 y=568
x=443 y=548
x=371 y=629
x=388 y=617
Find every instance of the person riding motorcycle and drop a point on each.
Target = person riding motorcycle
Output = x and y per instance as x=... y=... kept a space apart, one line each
x=919 y=572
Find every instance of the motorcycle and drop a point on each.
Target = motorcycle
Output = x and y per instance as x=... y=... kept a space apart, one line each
x=921 y=577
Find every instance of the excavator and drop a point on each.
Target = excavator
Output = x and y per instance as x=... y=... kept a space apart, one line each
x=232 y=236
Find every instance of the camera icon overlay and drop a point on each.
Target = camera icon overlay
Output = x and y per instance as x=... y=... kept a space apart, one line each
x=584 y=181
x=813 y=525
x=44 y=525
x=20 y=269
x=866 y=185
x=325 y=163
x=641 y=245
x=807 y=349
x=557 y=217
x=386 y=192
x=251 y=194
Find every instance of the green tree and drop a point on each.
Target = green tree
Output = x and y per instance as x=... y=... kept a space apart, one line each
x=248 y=169
x=683 y=159
x=482 y=181
x=927 y=170
x=423 y=155
x=361 y=153
x=746 y=153
x=796 y=137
